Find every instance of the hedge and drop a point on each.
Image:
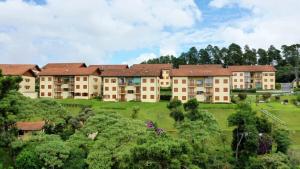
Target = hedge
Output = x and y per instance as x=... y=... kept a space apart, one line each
x=244 y=90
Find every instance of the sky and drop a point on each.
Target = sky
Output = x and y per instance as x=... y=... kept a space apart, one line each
x=131 y=31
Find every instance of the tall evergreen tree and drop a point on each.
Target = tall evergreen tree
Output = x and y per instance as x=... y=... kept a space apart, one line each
x=192 y=56
x=235 y=54
x=217 y=55
x=249 y=56
x=263 y=57
x=204 y=57
x=274 y=55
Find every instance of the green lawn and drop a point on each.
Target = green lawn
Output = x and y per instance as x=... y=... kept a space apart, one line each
x=159 y=113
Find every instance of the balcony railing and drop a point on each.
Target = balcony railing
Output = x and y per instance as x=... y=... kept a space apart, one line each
x=208 y=84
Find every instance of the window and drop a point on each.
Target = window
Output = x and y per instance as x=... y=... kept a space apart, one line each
x=49 y=93
x=241 y=74
x=266 y=86
x=241 y=80
x=217 y=89
x=152 y=81
x=225 y=98
x=183 y=89
x=106 y=80
x=27 y=87
x=199 y=92
x=130 y=91
x=217 y=98
x=85 y=94
x=225 y=89
x=176 y=97
x=113 y=80
x=84 y=78
x=235 y=86
x=144 y=80
x=77 y=78
x=144 y=88
x=152 y=88
x=234 y=74
x=114 y=96
x=95 y=80
x=152 y=97
x=95 y=87
x=216 y=81
x=144 y=96
x=271 y=74
x=183 y=97
x=225 y=81
x=175 y=89
x=162 y=83
x=42 y=79
x=49 y=86
x=114 y=88
x=271 y=80
x=176 y=81
x=77 y=86
x=42 y=94
x=183 y=81
x=235 y=80
x=241 y=86
x=272 y=86
x=265 y=80
x=84 y=86
x=167 y=83
x=49 y=79
x=106 y=88
x=42 y=86
x=265 y=74
x=27 y=80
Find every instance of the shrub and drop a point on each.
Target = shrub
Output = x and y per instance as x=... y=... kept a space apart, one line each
x=242 y=96
x=266 y=96
x=165 y=97
x=174 y=104
x=296 y=89
x=135 y=111
x=177 y=115
x=277 y=98
x=298 y=98
x=192 y=104
x=277 y=86
x=244 y=90
x=233 y=99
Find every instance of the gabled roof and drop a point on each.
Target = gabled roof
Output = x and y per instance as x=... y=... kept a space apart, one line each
x=18 y=69
x=252 y=68
x=191 y=72
x=64 y=65
x=131 y=73
x=106 y=67
x=152 y=66
x=67 y=71
x=30 y=126
x=203 y=66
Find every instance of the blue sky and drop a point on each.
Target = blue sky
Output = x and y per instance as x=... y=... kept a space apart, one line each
x=130 y=31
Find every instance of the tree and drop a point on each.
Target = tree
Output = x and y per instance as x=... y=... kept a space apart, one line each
x=177 y=115
x=263 y=58
x=270 y=161
x=282 y=140
x=191 y=105
x=135 y=111
x=217 y=55
x=191 y=56
x=235 y=54
x=28 y=159
x=175 y=107
x=249 y=56
x=274 y=55
x=204 y=57
x=174 y=104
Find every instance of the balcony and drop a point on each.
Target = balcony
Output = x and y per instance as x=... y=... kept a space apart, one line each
x=122 y=83
x=208 y=84
x=191 y=93
x=192 y=83
x=57 y=90
x=208 y=92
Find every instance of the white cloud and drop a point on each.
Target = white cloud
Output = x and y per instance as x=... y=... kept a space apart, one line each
x=88 y=31
x=271 y=22
x=141 y=58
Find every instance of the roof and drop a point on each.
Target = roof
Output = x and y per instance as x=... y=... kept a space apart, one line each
x=152 y=66
x=67 y=71
x=30 y=126
x=131 y=73
x=252 y=68
x=191 y=72
x=64 y=65
x=18 y=69
x=106 y=67
x=205 y=66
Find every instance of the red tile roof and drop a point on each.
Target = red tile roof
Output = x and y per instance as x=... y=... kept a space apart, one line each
x=30 y=126
x=152 y=66
x=64 y=65
x=203 y=66
x=191 y=72
x=106 y=67
x=131 y=73
x=252 y=68
x=18 y=69
x=67 y=71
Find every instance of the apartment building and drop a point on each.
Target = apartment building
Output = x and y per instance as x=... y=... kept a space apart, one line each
x=202 y=66
x=64 y=65
x=110 y=67
x=165 y=80
x=70 y=81
x=253 y=77
x=206 y=85
x=28 y=72
x=131 y=85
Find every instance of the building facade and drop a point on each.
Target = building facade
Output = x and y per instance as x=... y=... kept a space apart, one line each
x=212 y=86
x=131 y=85
x=27 y=72
x=253 y=77
x=75 y=82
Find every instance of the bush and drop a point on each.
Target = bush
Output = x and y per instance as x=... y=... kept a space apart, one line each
x=233 y=99
x=296 y=89
x=277 y=98
x=165 y=97
x=244 y=90
x=277 y=86
x=177 y=115
x=298 y=98
x=266 y=96
x=242 y=96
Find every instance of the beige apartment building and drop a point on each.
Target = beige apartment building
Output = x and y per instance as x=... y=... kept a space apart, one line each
x=110 y=67
x=165 y=80
x=28 y=72
x=77 y=82
x=253 y=77
x=206 y=85
x=131 y=85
